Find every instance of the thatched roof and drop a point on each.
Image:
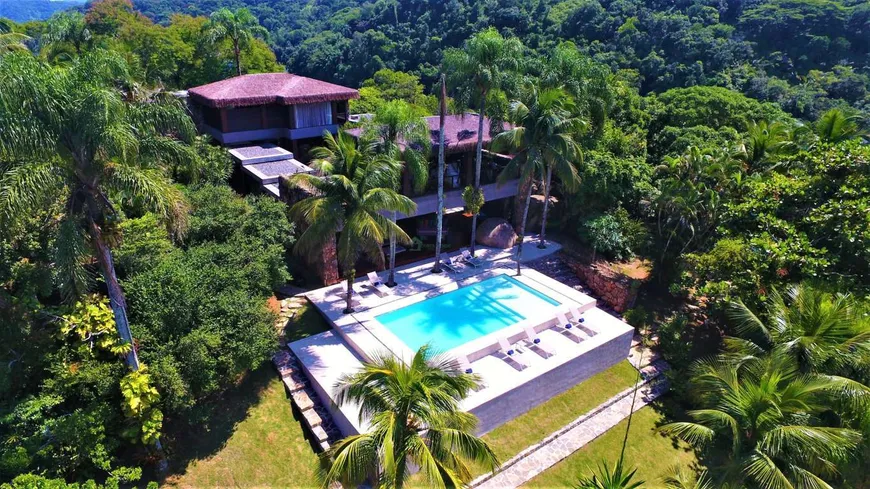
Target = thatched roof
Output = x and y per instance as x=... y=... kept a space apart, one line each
x=269 y=88
x=460 y=132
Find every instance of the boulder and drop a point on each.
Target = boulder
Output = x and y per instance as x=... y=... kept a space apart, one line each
x=496 y=232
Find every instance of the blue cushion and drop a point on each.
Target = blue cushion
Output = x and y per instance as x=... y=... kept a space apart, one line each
x=582 y=320
x=468 y=371
x=510 y=352
x=568 y=326
x=537 y=340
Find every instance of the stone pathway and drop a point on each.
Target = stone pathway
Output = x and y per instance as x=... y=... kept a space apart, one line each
x=574 y=436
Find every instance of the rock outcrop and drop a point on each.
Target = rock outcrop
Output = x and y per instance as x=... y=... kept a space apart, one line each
x=496 y=233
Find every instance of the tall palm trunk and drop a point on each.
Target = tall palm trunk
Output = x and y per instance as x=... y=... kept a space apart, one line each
x=477 y=164
x=439 y=222
x=116 y=295
x=522 y=229
x=349 y=275
x=237 y=52
x=392 y=280
x=542 y=243
x=119 y=310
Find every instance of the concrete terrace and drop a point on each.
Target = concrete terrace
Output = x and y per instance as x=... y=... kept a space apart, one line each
x=508 y=390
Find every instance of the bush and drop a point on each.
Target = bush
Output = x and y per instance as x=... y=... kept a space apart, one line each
x=615 y=235
x=199 y=314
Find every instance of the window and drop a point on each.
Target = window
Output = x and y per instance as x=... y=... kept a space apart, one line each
x=313 y=115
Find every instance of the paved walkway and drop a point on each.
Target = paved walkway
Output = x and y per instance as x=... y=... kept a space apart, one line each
x=574 y=436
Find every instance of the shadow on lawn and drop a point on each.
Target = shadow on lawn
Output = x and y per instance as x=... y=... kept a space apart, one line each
x=206 y=431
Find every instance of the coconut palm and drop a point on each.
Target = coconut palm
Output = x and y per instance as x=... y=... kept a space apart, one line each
x=763 y=144
x=822 y=332
x=681 y=477
x=401 y=133
x=776 y=420
x=240 y=27
x=835 y=126
x=9 y=39
x=72 y=136
x=606 y=478
x=414 y=419
x=355 y=186
x=486 y=63
x=542 y=140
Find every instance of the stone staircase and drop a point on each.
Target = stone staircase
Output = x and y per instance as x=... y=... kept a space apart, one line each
x=315 y=415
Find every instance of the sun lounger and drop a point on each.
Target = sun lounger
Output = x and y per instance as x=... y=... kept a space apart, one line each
x=379 y=287
x=535 y=343
x=567 y=328
x=511 y=354
x=467 y=257
x=450 y=266
x=579 y=321
x=465 y=364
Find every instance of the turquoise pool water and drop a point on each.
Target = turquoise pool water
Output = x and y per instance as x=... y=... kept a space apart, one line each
x=457 y=317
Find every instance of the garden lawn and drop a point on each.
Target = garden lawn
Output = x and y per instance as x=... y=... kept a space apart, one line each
x=651 y=453
x=516 y=435
x=259 y=442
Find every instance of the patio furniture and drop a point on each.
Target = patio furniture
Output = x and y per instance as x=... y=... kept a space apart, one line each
x=450 y=266
x=464 y=363
x=467 y=257
x=567 y=328
x=579 y=320
x=379 y=287
x=512 y=355
x=533 y=342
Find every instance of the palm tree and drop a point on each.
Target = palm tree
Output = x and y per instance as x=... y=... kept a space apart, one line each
x=9 y=39
x=763 y=144
x=542 y=139
x=70 y=28
x=487 y=62
x=822 y=332
x=607 y=478
x=439 y=224
x=403 y=135
x=682 y=478
x=689 y=204
x=835 y=126
x=415 y=421
x=775 y=419
x=355 y=187
x=71 y=135
x=240 y=27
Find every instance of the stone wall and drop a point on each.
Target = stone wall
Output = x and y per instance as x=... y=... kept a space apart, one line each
x=615 y=289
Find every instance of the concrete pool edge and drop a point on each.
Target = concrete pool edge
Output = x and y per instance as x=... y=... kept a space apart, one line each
x=508 y=392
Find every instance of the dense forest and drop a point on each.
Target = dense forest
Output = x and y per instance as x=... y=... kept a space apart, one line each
x=723 y=143
x=805 y=55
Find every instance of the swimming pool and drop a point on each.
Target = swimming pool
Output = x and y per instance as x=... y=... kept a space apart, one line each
x=465 y=314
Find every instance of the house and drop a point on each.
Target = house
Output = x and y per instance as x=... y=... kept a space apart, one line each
x=269 y=121
x=460 y=141
x=282 y=107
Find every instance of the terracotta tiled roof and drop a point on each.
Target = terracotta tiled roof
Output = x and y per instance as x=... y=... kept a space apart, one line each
x=460 y=131
x=269 y=88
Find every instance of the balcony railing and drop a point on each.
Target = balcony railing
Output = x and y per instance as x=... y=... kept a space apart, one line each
x=427 y=204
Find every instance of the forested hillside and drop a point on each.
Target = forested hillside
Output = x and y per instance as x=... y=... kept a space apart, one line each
x=806 y=55
x=720 y=147
x=24 y=10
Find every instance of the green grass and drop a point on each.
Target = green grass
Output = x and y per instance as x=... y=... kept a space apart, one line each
x=255 y=439
x=651 y=453
x=514 y=436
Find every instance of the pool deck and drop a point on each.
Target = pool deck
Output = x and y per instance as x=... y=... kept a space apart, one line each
x=508 y=389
